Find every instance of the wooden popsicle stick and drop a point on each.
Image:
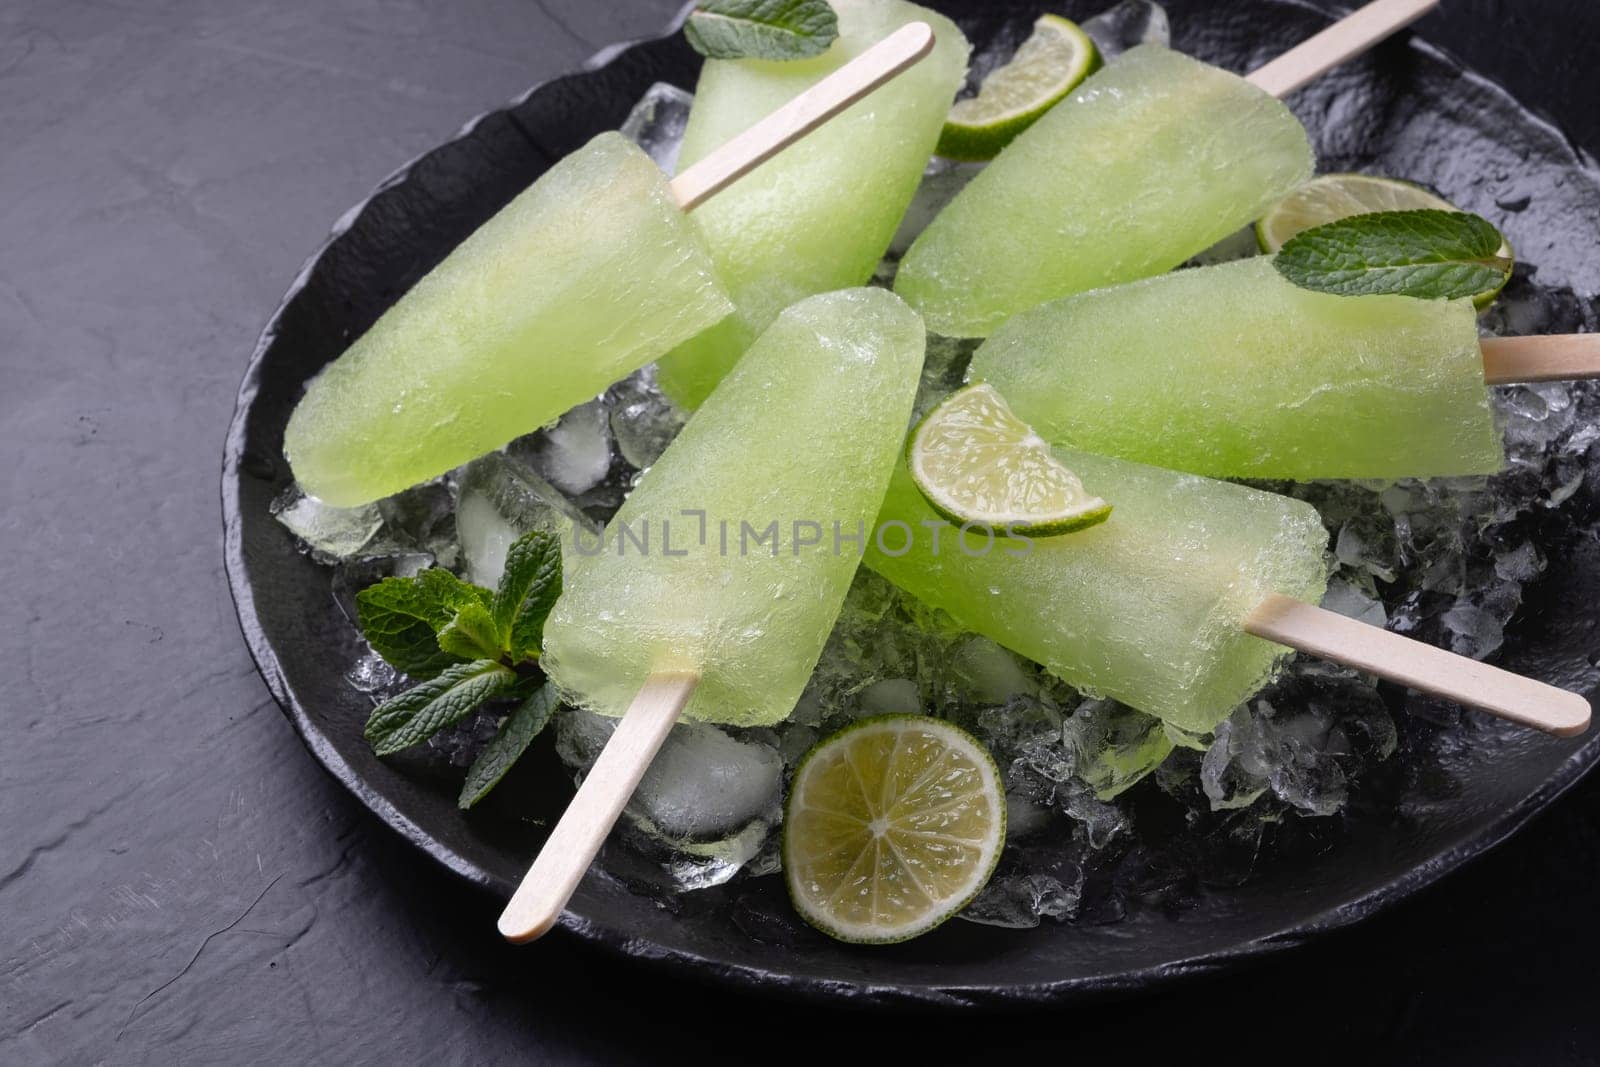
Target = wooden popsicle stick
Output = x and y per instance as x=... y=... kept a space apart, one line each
x=1329 y=636
x=1559 y=357
x=1339 y=43
x=741 y=154
x=577 y=838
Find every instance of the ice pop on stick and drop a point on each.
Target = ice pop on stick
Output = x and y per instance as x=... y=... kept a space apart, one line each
x=719 y=580
x=587 y=275
x=1180 y=603
x=1232 y=371
x=1151 y=160
x=818 y=217
x=1145 y=607
x=799 y=437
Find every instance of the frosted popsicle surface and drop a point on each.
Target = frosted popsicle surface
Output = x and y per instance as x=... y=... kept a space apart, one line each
x=1151 y=160
x=819 y=216
x=1232 y=371
x=1146 y=607
x=586 y=276
x=800 y=436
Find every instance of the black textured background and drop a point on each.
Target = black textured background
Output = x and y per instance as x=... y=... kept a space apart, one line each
x=180 y=882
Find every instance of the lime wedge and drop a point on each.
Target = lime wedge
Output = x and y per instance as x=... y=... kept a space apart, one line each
x=976 y=462
x=1048 y=66
x=1332 y=197
x=892 y=825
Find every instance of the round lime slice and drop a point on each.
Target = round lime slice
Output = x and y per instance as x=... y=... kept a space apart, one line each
x=893 y=825
x=1331 y=197
x=1048 y=66
x=978 y=463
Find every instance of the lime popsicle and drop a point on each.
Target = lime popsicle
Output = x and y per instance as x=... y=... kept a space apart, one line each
x=1234 y=372
x=1147 y=607
x=1151 y=160
x=723 y=561
x=819 y=216
x=587 y=275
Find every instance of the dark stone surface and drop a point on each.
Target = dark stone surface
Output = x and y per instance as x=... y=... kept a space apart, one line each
x=179 y=882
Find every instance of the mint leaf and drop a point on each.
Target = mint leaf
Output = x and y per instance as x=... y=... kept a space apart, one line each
x=400 y=618
x=528 y=590
x=512 y=740
x=761 y=29
x=1431 y=255
x=472 y=634
x=420 y=712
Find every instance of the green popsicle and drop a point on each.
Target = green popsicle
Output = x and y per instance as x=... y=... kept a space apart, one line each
x=587 y=275
x=1146 y=607
x=724 y=561
x=819 y=216
x=1151 y=160
x=1233 y=372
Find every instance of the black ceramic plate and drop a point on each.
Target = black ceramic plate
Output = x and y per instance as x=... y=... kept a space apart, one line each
x=1406 y=109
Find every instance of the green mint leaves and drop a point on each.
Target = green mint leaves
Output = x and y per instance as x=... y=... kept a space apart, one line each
x=761 y=29
x=527 y=592
x=401 y=619
x=1431 y=255
x=419 y=713
x=513 y=739
x=469 y=646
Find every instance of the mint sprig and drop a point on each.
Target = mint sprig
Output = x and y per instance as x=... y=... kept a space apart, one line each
x=761 y=29
x=515 y=735
x=1430 y=255
x=469 y=646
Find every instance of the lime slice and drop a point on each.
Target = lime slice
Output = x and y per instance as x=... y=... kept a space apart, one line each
x=1047 y=67
x=978 y=463
x=892 y=825
x=1332 y=197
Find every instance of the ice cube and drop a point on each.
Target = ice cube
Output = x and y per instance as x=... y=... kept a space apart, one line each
x=574 y=455
x=700 y=865
x=1114 y=746
x=1474 y=631
x=501 y=499
x=657 y=122
x=329 y=534
x=1130 y=23
x=1019 y=901
x=1348 y=599
x=643 y=420
x=372 y=675
x=422 y=519
x=1303 y=741
x=703 y=786
x=1100 y=820
x=1521 y=564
